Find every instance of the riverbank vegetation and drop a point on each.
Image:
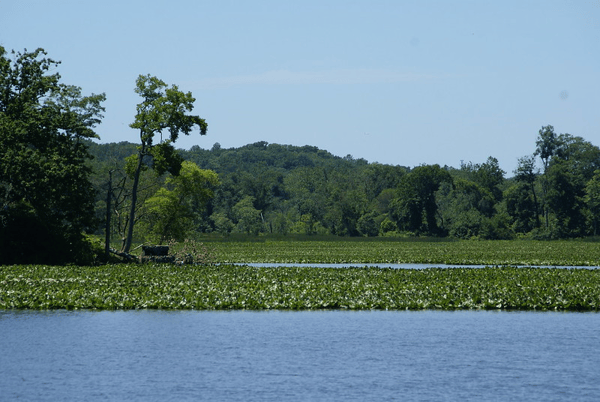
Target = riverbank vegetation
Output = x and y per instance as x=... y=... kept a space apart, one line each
x=226 y=287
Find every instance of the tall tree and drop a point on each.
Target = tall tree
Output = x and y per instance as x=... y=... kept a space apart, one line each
x=415 y=208
x=565 y=200
x=592 y=200
x=547 y=144
x=521 y=208
x=582 y=156
x=174 y=210
x=569 y=163
x=489 y=176
x=163 y=110
x=464 y=207
x=526 y=174
x=46 y=198
x=247 y=216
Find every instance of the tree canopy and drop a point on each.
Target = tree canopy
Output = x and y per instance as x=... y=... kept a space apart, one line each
x=163 y=110
x=46 y=198
x=285 y=189
x=174 y=210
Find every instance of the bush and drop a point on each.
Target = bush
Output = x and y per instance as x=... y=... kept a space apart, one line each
x=191 y=252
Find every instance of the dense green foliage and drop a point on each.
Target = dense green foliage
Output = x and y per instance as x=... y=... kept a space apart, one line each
x=162 y=110
x=46 y=197
x=242 y=287
x=288 y=190
x=293 y=195
x=172 y=213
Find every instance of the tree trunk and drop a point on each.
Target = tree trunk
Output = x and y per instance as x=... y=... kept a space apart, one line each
x=108 y=207
x=136 y=182
x=536 y=205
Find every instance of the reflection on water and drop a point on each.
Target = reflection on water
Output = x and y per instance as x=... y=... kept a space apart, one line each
x=317 y=355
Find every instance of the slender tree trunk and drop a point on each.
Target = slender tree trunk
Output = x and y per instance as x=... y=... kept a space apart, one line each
x=136 y=182
x=537 y=206
x=545 y=190
x=108 y=207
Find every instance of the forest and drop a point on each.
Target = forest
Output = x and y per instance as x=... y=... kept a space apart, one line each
x=61 y=191
x=264 y=188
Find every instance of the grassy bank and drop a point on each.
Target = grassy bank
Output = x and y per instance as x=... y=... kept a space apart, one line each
x=161 y=286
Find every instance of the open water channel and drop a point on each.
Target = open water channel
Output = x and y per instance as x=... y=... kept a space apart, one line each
x=299 y=356
x=400 y=266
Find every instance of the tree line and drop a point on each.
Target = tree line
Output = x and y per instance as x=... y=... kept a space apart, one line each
x=57 y=184
x=282 y=189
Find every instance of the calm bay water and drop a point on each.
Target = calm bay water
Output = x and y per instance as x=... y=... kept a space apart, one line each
x=304 y=356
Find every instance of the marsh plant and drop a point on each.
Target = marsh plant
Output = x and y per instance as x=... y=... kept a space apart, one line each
x=191 y=252
x=233 y=287
x=497 y=252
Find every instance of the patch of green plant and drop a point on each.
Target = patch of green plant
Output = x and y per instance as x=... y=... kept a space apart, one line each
x=167 y=286
x=491 y=252
x=190 y=252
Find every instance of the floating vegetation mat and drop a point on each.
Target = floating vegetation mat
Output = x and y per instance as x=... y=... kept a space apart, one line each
x=165 y=286
x=492 y=252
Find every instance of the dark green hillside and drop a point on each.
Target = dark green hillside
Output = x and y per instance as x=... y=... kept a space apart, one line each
x=272 y=188
x=286 y=157
x=112 y=152
x=285 y=189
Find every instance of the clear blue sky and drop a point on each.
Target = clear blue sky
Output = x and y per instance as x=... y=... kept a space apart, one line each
x=398 y=82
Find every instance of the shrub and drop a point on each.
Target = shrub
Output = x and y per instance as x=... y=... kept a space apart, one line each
x=191 y=252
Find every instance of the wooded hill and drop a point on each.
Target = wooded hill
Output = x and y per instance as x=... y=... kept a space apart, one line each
x=284 y=189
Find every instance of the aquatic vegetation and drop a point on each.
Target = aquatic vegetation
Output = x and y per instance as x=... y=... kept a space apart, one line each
x=498 y=252
x=166 y=286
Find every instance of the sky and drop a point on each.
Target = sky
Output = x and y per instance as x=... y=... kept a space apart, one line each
x=396 y=82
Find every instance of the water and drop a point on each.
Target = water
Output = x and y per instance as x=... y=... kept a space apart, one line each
x=398 y=266
x=299 y=356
